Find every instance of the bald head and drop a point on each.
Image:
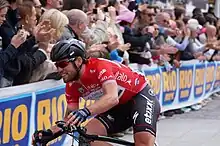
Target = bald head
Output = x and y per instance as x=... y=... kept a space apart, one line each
x=162 y=18
x=163 y=15
x=75 y=16
x=211 y=30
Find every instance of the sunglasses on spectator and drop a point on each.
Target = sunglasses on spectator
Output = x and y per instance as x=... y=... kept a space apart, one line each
x=149 y=14
x=122 y=1
x=62 y=64
x=156 y=28
x=38 y=7
x=165 y=21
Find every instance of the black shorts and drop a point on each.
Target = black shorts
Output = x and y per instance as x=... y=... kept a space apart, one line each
x=141 y=112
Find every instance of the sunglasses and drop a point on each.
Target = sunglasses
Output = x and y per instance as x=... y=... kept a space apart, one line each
x=150 y=15
x=38 y=7
x=166 y=21
x=62 y=64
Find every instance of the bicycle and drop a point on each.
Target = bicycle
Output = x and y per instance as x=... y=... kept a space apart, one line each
x=83 y=139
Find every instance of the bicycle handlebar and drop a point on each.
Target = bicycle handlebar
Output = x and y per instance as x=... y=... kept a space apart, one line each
x=45 y=139
x=82 y=131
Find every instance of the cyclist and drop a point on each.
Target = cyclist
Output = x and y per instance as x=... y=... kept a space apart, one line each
x=123 y=97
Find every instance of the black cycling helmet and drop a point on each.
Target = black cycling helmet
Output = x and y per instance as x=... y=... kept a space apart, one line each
x=68 y=49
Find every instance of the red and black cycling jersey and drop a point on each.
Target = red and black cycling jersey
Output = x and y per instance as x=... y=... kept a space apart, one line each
x=101 y=71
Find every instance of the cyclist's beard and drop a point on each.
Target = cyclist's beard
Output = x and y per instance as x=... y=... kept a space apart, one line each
x=69 y=77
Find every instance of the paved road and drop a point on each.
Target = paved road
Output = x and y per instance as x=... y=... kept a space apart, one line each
x=196 y=128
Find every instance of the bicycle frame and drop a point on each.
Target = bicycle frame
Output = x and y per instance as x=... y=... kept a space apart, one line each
x=83 y=138
x=86 y=138
x=113 y=140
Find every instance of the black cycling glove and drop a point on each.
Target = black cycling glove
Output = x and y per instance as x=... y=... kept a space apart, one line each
x=39 y=135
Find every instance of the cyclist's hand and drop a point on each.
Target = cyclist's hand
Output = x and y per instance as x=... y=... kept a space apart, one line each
x=40 y=134
x=78 y=117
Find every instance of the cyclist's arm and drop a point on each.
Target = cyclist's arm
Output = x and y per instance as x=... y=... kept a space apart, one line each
x=70 y=107
x=72 y=99
x=108 y=100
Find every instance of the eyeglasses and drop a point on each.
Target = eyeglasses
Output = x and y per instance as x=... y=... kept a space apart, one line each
x=150 y=15
x=38 y=6
x=62 y=64
x=166 y=21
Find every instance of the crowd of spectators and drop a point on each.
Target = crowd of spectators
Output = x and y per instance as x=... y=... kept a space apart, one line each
x=120 y=30
x=125 y=31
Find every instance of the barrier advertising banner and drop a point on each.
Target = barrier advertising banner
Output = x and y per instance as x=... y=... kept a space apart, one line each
x=23 y=109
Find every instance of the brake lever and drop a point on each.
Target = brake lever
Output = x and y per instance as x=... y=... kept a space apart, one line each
x=39 y=144
x=66 y=129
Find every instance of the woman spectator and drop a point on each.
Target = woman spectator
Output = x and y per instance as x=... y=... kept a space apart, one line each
x=27 y=13
x=179 y=13
x=58 y=22
x=195 y=47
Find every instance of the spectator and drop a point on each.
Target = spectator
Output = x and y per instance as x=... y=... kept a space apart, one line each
x=19 y=70
x=195 y=47
x=74 y=4
x=91 y=4
x=55 y=17
x=211 y=37
x=125 y=3
x=9 y=17
x=196 y=13
x=52 y=4
x=38 y=7
x=11 y=51
x=145 y=17
x=47 y=69
x=3 y=10
x=165 y=32
x=211 y=19
x=78 y=22
x=179 y=13
x=28 y=18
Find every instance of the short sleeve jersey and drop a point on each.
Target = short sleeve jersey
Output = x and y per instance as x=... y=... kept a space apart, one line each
x=99 y=72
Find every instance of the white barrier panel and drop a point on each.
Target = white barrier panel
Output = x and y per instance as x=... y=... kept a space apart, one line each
x=37 y=106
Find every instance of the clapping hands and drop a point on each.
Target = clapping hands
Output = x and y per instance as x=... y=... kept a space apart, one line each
x=43 y=32
x=19 y=38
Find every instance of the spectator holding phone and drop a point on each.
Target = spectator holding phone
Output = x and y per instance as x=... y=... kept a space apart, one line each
x=11 y=51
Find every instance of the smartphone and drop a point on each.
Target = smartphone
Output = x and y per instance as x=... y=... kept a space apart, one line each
x=20 y=27
x=105 y=9
x=95 y=11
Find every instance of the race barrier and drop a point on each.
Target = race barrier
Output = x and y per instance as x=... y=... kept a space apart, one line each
x=38 y=105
